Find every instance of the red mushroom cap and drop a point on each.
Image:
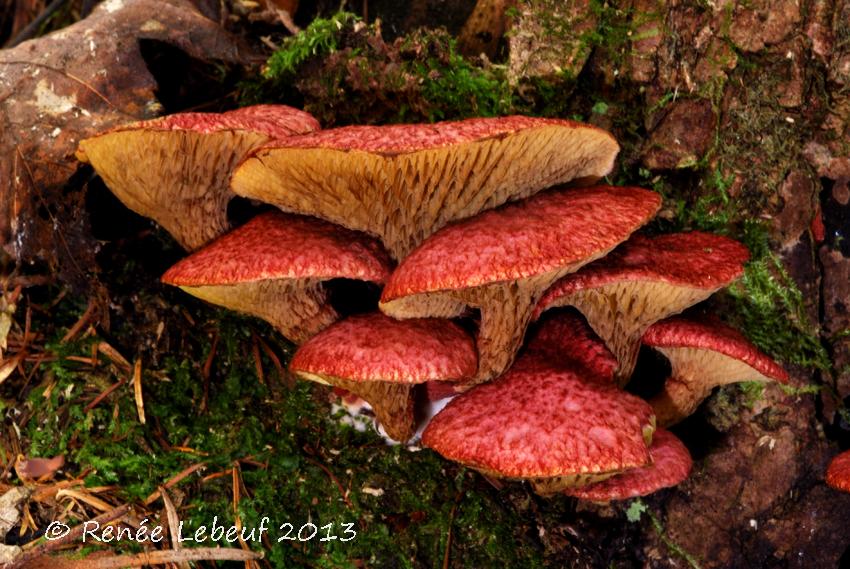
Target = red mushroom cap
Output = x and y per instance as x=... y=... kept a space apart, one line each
x=644 y=280
x=838 y=473
x=273 y=268
x=176 y=169
x=694 y=259
x=541 y=422
x=276 y=121
x=402 y=138
x=374 y=347
x=714 y=336
x=276 y=245
x=524 y=239
x=564 y=339
x=702 y=356
x=671 y=464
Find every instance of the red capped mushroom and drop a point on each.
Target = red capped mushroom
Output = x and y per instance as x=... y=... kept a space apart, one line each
x=838 y=473
x=380 y=359
x=671 y=464
x=502 y=260
x=565 y=340
x=401 y=183
x=644 y=280
x=702 y=356
x=273 y=267
x=546 y=424
x=176 y=169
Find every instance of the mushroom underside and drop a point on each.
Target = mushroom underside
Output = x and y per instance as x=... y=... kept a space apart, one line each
x=177 y=178
x=298 y=308
x=506 y=309
x=620 y=313
x=403 y=198
x=695 y=372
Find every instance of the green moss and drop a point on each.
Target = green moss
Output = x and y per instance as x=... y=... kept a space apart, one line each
x=318 y=39
x=304 y=465
x=769 y=308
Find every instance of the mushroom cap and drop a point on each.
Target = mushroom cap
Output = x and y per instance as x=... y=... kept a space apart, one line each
x=176 y=169
x=275 y=121
x=565 y=340
x=403 y=182
x=694 y=259
x=552 y=230
x=671 y=464
x=375 y=347
x=273 y=268
x=702 y=356
x=712 y=336
x=838 y=472
x=393 y=139
x=644 y=280
x=276 y=245
x=539 y=422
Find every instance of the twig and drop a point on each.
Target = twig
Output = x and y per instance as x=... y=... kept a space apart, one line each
x=137 y=390
x=206 y=370
x=32 y=28
x=150 y=558
x=446 y=556
x=336 y=481
x=26 y=560
x=176 y=479
x=79 y=324
x=96 y=401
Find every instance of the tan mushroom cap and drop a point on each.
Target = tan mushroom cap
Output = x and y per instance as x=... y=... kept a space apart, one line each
x=501 y=261
x=402 y=183
x=545 y=424
x=273 y=267
x=703 y=355
x=838 y=473
x=176 y=169
x=644 y=280
x=380 y=359
x=671 y=464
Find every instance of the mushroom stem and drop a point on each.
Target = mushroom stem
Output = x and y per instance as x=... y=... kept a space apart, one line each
x=678 y=400
x=621 y=312
x=391 y=402
x=696 y=372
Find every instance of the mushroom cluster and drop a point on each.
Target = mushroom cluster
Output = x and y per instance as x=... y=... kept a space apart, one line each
x=473 y=230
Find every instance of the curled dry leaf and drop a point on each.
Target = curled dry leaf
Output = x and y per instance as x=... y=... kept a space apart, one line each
x=38 y=468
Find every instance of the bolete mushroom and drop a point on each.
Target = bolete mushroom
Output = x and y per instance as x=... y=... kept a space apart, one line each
x=545 y=424
x=380 y=359
x=273 y=267
x=403 y=182
x=176 y=169
x=702 y=356
x=502 y=260
x=644 y=280
x=671 y=464
x=838 y=472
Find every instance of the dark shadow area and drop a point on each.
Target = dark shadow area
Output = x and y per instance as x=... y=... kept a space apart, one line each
x=651 y=371
x=836 y=218
x=349 y=296
x=185 y=83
